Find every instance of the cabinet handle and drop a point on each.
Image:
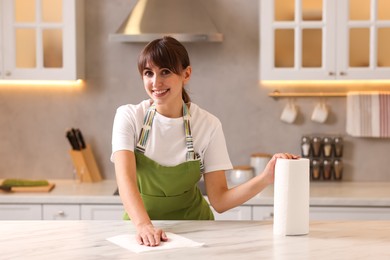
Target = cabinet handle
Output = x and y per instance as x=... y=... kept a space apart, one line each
x=271 y=214
x=343 y=73
x=60 y=213
x=8 y=73
x=331 y=73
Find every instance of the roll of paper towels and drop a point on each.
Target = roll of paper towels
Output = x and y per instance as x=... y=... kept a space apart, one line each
x=291 y=197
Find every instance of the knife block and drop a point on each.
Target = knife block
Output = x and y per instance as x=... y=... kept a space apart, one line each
x=85 y=165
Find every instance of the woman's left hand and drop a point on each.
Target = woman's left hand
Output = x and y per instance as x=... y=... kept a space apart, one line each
x=269 y=171
x=285 y=156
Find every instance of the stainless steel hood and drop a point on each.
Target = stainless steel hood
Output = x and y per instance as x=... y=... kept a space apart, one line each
x=184 y=20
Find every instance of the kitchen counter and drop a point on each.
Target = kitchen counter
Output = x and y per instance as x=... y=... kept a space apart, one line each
x=366 y=194
x=223 y=240
x=68 y=192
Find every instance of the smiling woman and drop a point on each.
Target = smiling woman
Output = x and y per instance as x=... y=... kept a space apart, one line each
x=162 y=146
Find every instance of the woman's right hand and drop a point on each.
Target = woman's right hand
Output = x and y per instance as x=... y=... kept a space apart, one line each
x=148 y=235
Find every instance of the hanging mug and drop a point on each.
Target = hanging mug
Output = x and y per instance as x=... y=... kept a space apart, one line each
x=320 y=112
x=289 y=113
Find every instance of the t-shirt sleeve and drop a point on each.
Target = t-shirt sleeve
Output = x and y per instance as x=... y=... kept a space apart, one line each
x=216 y=156
x=123 y=131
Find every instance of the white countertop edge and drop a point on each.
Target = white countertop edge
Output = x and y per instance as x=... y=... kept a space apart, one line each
x=350 y=194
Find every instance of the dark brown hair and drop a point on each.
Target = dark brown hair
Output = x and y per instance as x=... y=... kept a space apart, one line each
x=166 y=52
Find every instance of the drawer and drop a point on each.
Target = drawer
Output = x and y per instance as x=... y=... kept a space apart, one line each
x=349 y=213
x=263 y=213
x=20 y=212
x=102 y=212
x=61 y=212
x=237 y=213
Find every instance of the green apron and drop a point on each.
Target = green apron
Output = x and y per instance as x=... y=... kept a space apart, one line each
x=171 y=192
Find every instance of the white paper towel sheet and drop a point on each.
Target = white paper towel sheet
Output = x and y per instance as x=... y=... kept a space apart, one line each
x=129 y=242
x=291 y=197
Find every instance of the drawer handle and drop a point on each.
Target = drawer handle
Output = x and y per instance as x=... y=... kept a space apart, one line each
x=60 y=213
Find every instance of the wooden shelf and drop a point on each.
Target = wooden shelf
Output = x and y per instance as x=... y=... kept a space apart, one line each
x=277 y=94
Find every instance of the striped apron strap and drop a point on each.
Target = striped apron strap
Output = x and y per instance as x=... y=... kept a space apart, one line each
x=147 y=126
x=191 y=154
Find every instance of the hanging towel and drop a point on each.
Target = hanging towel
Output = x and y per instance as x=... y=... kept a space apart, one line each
x=368 y=114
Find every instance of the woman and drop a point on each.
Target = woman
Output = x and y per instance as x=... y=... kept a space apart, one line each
x=162 y=146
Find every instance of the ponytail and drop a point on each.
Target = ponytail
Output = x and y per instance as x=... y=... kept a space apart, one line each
x=186 y=98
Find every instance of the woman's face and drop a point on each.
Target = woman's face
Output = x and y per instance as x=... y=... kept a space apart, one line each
x=164 y=86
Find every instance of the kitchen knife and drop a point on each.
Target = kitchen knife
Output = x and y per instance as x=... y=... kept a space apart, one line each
x=74 y=133
x=69 y=137
x=72 y=140
x=80 y=138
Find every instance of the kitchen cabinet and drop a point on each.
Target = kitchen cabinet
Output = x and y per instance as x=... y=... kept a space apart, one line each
x=61 y=212
x=349 y=213
x=328 y=201
x=41 y=39
x=20 y=212
x=330 y=213
x=237 y=213
x=324 y=39
x=102 y=212
x=263 y=213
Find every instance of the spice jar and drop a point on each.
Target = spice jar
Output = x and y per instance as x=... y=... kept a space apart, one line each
x=316 y=144
x=305 y=146
x=327 y=147
x=338 y=146
x=327 y=171
x=338 y=169
x=316 y=171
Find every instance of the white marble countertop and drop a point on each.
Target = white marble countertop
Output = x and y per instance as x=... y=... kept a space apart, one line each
x=363 y=194
x=223 y=240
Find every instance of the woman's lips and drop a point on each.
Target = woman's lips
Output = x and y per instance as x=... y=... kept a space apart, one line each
x=160 y=93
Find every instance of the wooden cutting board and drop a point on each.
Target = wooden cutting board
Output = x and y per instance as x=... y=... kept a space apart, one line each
x=34 y=189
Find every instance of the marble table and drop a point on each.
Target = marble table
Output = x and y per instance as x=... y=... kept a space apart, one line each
x=223 y=240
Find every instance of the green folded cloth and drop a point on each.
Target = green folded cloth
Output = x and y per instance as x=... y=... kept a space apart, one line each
x=24 y=183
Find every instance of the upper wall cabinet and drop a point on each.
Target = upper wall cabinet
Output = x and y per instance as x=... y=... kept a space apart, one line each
x=41 y=39
x=324 y=39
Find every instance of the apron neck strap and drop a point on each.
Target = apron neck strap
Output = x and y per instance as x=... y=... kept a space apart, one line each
x=147 y=126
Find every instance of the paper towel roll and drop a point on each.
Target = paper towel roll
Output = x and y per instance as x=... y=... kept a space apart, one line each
x=291 y=197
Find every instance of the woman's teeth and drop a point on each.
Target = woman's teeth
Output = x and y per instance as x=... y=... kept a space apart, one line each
x=160 y=92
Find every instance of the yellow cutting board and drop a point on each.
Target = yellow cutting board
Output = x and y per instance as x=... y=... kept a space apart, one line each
x=46 y=188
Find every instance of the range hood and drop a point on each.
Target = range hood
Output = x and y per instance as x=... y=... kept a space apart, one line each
x=184 y=20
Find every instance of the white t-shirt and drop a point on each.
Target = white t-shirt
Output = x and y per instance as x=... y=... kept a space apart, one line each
x=166 y=142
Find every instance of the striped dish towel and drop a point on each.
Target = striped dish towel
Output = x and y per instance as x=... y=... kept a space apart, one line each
x=368 y=114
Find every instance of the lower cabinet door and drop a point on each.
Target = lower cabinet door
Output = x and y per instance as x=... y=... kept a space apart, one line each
x=20 y=212
x=102 y=212
x=238 y=213
x=263 y=212
x=61 y=212
x=349 y=213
